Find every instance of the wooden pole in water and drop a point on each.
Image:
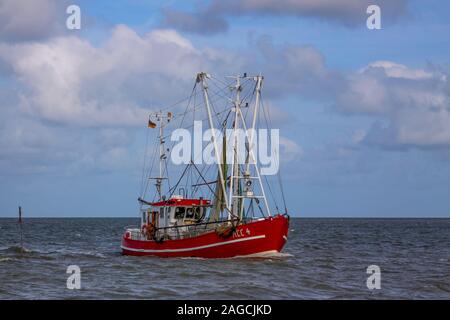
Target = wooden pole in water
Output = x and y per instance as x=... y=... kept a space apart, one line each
x=20 y=227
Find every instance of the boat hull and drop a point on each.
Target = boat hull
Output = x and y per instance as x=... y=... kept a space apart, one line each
x=249 y=239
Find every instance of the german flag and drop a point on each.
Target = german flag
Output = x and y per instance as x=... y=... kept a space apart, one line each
x=151 y=124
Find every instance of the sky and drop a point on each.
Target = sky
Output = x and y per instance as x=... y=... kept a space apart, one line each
x=364 y=114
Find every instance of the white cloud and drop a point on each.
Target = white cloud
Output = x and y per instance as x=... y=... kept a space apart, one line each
x=289 y=150
x=68 y=80
x=295 y=70
x=396 y=70
x=413 y=104
x=31 y=20
x=58 y=85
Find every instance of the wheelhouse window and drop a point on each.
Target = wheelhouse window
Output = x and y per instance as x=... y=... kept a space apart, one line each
x=179 y=212
x=189 y=213
x=197 y=211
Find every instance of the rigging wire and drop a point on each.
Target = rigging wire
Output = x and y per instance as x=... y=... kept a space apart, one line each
x=149 y=172
x=212 y=191
x=183 y=116
x=145 y=162
x=172 y=190
x=212 y=97
x=280 y=182
x=215 y=95
x=182 y=121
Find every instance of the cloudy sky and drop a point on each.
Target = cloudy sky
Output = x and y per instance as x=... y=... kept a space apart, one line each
x=364 y=114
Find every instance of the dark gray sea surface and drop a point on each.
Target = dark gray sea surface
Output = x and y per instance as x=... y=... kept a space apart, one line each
x=324 y=259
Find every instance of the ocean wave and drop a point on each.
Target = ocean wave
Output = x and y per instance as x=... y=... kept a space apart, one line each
x=49 y=254
x=262 y=255
x=76 y=253
x=91 y=254
x=266 y=255
x=15 y=249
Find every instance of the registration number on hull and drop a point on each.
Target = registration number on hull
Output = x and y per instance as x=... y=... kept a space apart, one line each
x=239 y=233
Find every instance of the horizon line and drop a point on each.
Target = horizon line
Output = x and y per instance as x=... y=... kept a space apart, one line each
x=303 y=217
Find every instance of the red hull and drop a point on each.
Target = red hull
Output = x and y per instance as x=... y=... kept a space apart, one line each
x=253 y=238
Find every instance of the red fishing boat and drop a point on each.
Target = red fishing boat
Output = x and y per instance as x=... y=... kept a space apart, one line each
x=227 y=216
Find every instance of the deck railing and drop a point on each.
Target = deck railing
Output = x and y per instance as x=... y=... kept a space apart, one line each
x=182 y=231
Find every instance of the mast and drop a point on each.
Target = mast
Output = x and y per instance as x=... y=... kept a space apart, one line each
x=258 y=87
x=221 y=194
x=201 y=77
x=236 y=194
x=234 y=181
x=163 y=119
x=258 y=80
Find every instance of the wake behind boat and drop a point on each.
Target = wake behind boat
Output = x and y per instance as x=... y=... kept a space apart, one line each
x=218 y=213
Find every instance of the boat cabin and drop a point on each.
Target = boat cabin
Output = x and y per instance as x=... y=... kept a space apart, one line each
x=175 y=211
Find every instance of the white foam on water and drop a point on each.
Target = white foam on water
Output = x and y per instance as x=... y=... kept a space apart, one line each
x=261 y=255
x=6 y=259
x=266 y=255
x=70 y=252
